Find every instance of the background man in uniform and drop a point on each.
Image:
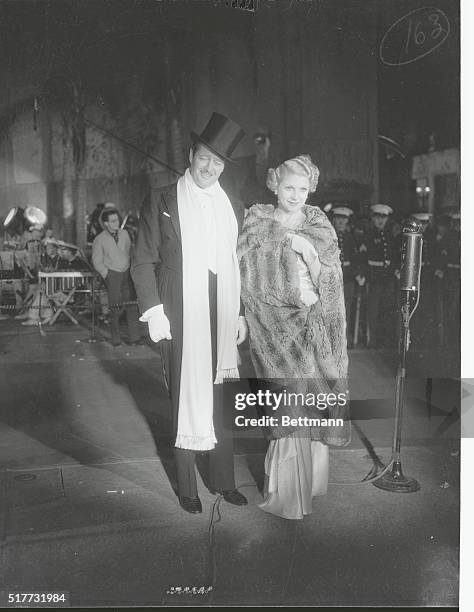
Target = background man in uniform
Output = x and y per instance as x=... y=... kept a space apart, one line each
x=187 y=279
x=350 y=262
x=377 y=248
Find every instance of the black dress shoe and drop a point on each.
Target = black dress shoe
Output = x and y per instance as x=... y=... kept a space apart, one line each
x=191 y=504
x=139 y=342
x=116 y=342
x=234 y=497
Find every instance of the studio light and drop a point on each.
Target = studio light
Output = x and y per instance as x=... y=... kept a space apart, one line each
x=18 y=220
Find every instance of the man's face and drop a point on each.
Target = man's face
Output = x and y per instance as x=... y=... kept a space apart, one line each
x=112 y=224
x=340 y=223
x=206 y=167
x=379 y=221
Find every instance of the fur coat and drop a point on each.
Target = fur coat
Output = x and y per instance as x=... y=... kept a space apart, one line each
x=302 y=348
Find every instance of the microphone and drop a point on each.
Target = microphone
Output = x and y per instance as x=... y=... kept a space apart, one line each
x=412 y=243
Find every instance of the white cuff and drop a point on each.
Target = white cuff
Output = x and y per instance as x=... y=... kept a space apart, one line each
x=158 y=310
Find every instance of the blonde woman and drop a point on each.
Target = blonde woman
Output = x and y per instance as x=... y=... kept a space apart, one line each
x=292 y=289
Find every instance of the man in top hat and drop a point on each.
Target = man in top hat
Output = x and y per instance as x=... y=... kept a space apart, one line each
x=377 y=249
x=187 y=279
x=111 y=259
x=350 y=258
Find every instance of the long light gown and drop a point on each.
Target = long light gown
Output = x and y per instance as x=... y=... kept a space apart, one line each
x=296 y=467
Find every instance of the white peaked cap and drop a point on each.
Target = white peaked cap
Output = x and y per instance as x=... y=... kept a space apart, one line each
x=344 y=211
x=381 y=209
x=422 y=216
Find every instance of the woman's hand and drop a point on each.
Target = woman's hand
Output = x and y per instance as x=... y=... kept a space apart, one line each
x=308 y=297
x=304 y=248
x=242 y=330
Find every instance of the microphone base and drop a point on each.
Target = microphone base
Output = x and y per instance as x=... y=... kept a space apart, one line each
x=396 y=482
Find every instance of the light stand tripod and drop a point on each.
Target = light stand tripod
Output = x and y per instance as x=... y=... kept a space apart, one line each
x=394 y=480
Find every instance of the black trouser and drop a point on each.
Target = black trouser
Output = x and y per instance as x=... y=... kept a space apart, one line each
x=119 y=290
x=221 y=458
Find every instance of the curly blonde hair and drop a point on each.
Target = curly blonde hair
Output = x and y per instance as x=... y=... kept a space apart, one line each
x=302 y=165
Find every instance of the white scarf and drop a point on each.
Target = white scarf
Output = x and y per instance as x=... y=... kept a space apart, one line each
x=195 y=410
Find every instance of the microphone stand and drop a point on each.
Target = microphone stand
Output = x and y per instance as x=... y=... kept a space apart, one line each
x=394 y=480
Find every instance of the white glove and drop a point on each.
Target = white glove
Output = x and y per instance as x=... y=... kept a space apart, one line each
x=439 y=273
x=304 y=248
x=158 y=323
x=360 y=280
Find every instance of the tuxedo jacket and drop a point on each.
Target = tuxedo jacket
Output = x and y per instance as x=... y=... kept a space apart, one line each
x=156 y=268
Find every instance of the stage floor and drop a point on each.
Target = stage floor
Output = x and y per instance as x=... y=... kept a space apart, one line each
x=88 y=505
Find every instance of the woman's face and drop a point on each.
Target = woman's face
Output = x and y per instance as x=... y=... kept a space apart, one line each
x=292 y=192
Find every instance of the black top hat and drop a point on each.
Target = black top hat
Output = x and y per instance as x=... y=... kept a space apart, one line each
x=221 y=135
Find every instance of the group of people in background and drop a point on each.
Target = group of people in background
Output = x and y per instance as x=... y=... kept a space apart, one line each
x=370 y=251
x=110 y=257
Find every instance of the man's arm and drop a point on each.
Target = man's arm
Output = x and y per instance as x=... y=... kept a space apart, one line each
x=146 y=256
x=239 y=212
x=98 y=257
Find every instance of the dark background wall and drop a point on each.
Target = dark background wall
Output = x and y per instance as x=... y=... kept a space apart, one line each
x=152 y=71
x=149 y=72
x=418 y=99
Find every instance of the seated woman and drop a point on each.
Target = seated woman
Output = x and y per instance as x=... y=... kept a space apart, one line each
x=292 y=290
